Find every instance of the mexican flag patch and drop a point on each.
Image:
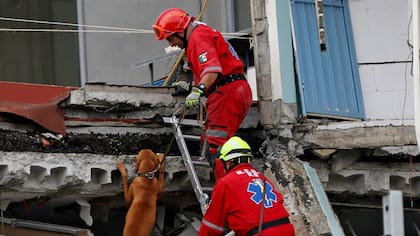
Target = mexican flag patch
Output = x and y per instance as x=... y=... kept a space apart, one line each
x=203 y=57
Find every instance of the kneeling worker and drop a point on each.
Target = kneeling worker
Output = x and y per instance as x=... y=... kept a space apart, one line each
x=238 y=198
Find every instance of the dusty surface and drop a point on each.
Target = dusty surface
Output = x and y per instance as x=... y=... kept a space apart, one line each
x=109 y=144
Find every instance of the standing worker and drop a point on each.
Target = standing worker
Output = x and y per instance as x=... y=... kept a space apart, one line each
x=218 y=75
x=240 y=201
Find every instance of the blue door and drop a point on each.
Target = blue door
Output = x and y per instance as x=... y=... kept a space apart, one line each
x=329 y=83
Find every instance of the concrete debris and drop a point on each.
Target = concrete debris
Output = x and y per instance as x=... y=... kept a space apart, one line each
x=76 y=172
x=299 y=196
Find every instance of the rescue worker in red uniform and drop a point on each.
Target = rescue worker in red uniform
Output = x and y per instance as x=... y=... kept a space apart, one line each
x=239 y=196
x=218 y=75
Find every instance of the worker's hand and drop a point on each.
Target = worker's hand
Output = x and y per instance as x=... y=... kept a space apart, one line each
x=193 y=99
x=182 y=86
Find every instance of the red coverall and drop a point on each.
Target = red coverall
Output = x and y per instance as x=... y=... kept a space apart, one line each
x=227 y=105
x=236 y=201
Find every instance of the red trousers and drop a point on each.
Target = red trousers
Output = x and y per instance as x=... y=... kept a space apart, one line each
x=227 y=107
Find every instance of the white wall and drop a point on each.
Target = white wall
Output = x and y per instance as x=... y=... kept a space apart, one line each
x=111 y=56
x=380 y=29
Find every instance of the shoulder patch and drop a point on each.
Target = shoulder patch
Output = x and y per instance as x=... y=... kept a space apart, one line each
x=203 y=57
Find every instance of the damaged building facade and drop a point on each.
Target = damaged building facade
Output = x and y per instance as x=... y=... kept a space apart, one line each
x=333 y=117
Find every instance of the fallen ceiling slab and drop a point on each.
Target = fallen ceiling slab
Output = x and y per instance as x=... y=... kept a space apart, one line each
x=35 y=102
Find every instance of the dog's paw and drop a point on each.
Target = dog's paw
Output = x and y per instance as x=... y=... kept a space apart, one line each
x=122 y=169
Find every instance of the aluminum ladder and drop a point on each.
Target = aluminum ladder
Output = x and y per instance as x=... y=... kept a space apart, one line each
x=202 y=197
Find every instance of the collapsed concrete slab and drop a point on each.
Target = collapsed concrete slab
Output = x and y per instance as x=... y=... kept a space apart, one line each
x=77 y=171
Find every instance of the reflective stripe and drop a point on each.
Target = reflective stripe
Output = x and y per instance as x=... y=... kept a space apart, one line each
x=236 y=155
x=215 y=69
x=212 y=226
x=217 y=133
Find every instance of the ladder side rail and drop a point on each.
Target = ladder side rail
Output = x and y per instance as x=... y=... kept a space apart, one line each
x=186 y=157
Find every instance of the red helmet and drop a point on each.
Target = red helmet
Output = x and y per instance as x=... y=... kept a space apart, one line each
x=170 y=21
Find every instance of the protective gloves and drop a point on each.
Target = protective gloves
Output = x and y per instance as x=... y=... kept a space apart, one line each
x=182 y=86
x=193 y=99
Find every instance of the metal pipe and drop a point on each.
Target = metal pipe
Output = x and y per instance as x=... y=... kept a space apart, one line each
x=16 y=223
x=368 y=206
x=81 y=42
x=416 y=69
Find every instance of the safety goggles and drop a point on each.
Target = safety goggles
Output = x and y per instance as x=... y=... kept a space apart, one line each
x=161 y=33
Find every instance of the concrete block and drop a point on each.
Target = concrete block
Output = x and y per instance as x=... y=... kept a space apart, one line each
x=3 y=171
x=377 y=180
x=99 y=176
x=59 y=174
x=37 y=174
x=397 y=182
x=354 y=183
x=344 y=159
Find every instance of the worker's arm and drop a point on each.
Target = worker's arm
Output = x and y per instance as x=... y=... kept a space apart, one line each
x=216 y=214
x=209 y=79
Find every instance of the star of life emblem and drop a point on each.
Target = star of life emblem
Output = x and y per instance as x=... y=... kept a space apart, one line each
x=256 y=188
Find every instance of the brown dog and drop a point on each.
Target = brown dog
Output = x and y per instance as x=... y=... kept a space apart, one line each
x=143 y=192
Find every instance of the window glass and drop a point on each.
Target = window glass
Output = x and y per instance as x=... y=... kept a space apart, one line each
x=242 y=15
x=36 y=56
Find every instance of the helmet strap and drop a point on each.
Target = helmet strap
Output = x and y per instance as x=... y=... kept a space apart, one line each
x=225 y=165
x=245 y=159
x=231 y=166
x=184 y=40
x=237 y=161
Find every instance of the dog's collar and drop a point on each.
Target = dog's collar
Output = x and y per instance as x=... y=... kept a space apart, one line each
x=150 y=174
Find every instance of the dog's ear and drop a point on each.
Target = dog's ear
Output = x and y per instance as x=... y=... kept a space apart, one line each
x=138 y=159
x=160 y=156
x=146 y=154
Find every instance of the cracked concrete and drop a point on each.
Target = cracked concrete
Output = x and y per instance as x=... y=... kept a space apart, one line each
x=43 y=174
x=360 y=158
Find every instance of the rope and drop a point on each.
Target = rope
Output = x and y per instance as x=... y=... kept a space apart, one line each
x=261 y=220
x=103 y=29
x=72 y=24
x=410 y=180
x=67 y=31
x=2 y=223
x=181 y=110
x=201 y=121
x=2 y=218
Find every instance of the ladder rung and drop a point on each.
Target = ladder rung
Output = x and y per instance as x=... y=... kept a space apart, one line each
x=189 y=122
x=201 y=163
x=207 y=189
x=192 y=137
